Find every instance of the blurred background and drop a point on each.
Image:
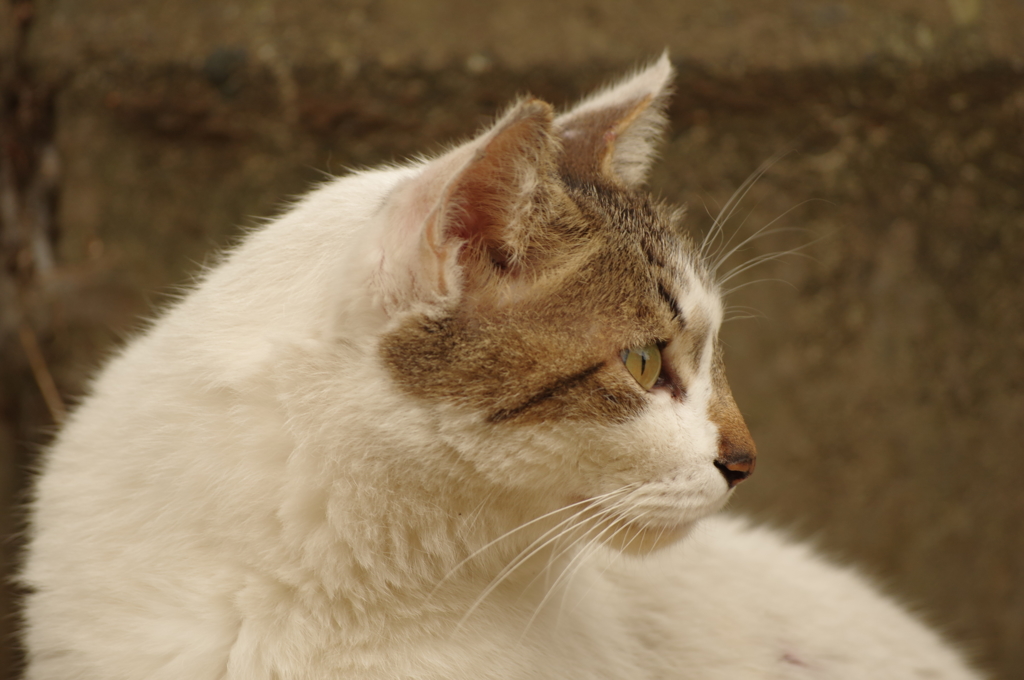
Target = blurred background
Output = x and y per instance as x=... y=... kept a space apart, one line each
x=882 y=371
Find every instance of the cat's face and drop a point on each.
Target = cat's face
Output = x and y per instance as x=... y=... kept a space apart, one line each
x=560 y=326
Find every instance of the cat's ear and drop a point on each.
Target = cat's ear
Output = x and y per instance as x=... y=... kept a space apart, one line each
x=465 y=216
x=613 y=133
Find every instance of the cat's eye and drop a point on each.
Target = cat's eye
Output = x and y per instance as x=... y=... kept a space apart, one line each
x=644 y=364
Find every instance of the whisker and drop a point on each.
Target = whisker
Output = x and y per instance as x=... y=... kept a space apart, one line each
x=537 y=545
x=713 y=233
x=737 y=197
x=520 y=559
x=475 y=515
x=617 y=554
x=722 y=258
x=522 y=526
x=639 y=519
x=750 y=212
x=767 y=257
x=730 y=309
x=732 y=290
x=757 y=236
x=718 y=224
x=579 y=560
x=604 y=512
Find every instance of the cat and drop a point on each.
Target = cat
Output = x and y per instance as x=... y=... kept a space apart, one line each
x=463 y=418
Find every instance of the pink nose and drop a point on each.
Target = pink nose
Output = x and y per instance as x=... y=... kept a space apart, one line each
x=735 y=461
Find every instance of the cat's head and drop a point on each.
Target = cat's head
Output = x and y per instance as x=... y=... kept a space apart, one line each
x=554 y=323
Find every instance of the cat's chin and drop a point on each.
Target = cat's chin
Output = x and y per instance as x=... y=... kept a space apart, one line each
x=638 y=539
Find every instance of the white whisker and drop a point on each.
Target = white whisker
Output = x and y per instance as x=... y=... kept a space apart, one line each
x=550 y=536
x=578 y=560
x=637 y=535
x=754 y=282
x=737 y=197
x=519 y=528
x=604 y=512
x=759 y=234
x=712 y=235
x=560 y=530
x=618 y=552
x=731 y=309
x=767 y=257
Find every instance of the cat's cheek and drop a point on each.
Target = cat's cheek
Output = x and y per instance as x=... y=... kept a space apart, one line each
x=528 y=459
x=679 y=452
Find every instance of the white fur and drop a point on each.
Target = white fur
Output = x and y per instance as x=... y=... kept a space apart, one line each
x=247 y=495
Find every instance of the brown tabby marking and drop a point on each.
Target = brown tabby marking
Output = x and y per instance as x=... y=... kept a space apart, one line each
x=559 y=386
x=554 y=354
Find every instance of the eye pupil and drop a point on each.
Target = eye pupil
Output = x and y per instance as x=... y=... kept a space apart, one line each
x=644 y=364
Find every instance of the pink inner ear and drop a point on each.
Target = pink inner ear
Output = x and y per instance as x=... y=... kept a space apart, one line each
x=484 y=202
x=468 y=218
x=479 y=221
x=461 y=218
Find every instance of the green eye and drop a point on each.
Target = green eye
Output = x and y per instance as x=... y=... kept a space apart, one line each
x=644 y=364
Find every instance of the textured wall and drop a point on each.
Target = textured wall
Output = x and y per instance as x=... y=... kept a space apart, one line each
x=883 y=380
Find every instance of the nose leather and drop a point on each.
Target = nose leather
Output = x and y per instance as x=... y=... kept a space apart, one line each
x=735 y=461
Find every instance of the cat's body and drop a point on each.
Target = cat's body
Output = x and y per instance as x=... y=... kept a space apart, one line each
x=398 y=434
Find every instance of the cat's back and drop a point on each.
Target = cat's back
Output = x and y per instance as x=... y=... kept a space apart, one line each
x=162 y=489
x=746 y=602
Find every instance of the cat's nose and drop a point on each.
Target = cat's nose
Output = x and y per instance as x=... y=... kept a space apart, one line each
x=736 y=451
x=736 y=460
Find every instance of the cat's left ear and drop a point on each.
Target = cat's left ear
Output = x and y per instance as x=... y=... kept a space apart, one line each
x=613 y=133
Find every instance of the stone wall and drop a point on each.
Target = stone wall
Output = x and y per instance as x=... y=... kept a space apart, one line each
x=883 y=375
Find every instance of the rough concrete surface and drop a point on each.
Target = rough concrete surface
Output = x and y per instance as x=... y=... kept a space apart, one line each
x=883 y=377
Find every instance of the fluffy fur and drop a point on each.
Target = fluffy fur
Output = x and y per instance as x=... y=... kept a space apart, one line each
x=392 y=436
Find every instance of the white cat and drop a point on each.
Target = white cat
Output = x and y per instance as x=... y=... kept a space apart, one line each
x=409 y=429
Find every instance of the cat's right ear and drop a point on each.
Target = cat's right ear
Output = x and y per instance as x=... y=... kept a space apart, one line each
x=612 y=134
x=464 y=217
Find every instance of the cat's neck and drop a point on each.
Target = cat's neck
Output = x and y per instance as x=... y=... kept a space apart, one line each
x=428 y=540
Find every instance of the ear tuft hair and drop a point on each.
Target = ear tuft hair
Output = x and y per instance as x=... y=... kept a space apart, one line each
x=612 y=134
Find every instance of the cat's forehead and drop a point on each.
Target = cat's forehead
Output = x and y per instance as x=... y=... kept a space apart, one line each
x=633 y=216
x=644 y=255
